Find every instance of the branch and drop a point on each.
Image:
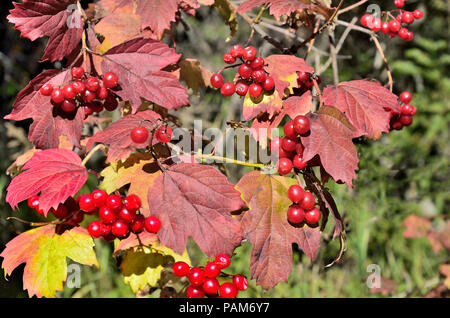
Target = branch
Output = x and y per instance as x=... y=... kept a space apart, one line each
x=92 y=152
x=353 y=6
x=388 y=70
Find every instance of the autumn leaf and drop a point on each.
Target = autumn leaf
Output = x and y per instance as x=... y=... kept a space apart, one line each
x=445 y=270
x=52 y=18
x=192 y=200
x=44 y=254
x=139 y=63
x=298 y=105
x=194 y=75
x=139 y=171
x=157 y=14
x=228 y=14
x=56 y=173
x=117 y=135
x=270 y=103
x=331 y=138
x=265 y=225
x=366 y=105
x=416 y=226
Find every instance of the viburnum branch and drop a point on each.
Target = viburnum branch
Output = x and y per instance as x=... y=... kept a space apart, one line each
x=353 y=6
x=92 y=152
x=32 y=223
x=256 y=20
x=388 y=69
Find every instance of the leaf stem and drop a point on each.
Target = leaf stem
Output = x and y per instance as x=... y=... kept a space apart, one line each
x=92 y=152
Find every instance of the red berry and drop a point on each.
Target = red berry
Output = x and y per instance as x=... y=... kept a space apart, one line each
x=217 y=80
x=102 y=92
x=240 y=282
x=46 y=89
x=255 y=90
x=302 y=124
x=222 y=260
x=107 y=215
x=138 y=225
x=406 y=109
x=228 y=290
x=410 y=36
x=406 y=120
x=241 y=89
x=114 y=202
x=126 y=216
x=403 y=33
x=110 y=80
x=139 y=135
x=33 y=202
x=249 y=53
x=211 y=286
x=269 y=84
x=228 y=58
x=79 y=87
x=77 y=72
x=366 y=20
x=288 y=144
x=228 y=89
x=407 y=17
x=295 y=214
x=100 y=197
x=180 y=269
x=87 y=203
x=245 y=71
x=164 y=134
x=68 y=105
x=89 y=96
x=152 y=224
x=308 y=201
x=299 y=163
x=376 y=25
x=68 y=91
x=284 y=166
x=303 y=77
x=417 y=14
x=405 y=97
x=96 y=107
x=259 y=76
x=385 y=28
x=394 y=26
x=289 y=130
x=212 y=270
x=61 y=212
x=92 y=84
x=237 y=51
x=275 y=147
x=95 y=229
x=296 y=193
x=196 y=276
x=120 y=229
x=399 y=3
x=257 y=63
x=413 y=111
x=110 y=103
x=57 y=95
x=132 y=202
x=312 y=216
x=299 y=149
x=195 y=292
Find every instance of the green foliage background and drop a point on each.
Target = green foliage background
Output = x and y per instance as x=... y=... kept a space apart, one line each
x=403 y=173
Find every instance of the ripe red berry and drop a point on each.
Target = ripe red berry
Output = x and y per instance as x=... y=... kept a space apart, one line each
x=312 y=216
x=139 y=135
x=289 y=130
x=299 y=149
x=68 y=91
x=303 y=77
x=222 y=260
x=61 y=212
x=164 y=134
x=407 y=17
x=212 y=270
x=284 y=166
x=132 y=202
x=180 y=269
x=245 y=71
x=228 y=290
x=95 y=229
x=87 y=203
x=366 y=20
x=403 y=33
x=228 y=58
x=114 y=202
x=196 y=276
x=211 y=286
x=417 y=14
x=376 y=25
x=295 y=214
x=107 y=215
x=68 y=105
x=406 y=120
x=88 y=111
x=308 y=201
x=110 y=80
x=399 y=3
x=152 y=224
x=249 y=53
x=57 y=95
x=92 y=84
x=46 y=89
x=77 y=72
x=255 y=90
x=259 y=76
x=100 y=197
x=269 y=84
x=394 y=26
x=302 y=124
x=217 y=80
x=110 y=103
x=102 y=92
x=195 y=292
x=33 y=202
x=126 y=216
x=79 y=87
x=406 y=109
x=405 y=97
x=410 y=36
x=240 y=282
x=288 y=144
x=237 y=51
x=228 y=89
x=275 y=147
x=296 y=193
x=120 y=229
x=257 y=63
x=299 y=163
x=241 y=89
x=385 y=28
x=138 y=225
x=89 y=96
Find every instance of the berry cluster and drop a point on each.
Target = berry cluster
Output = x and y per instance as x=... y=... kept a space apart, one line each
x=407 y=112
x=68 y=211
x=290 y=148
x=303 y=208
x=251 y=77
x=393 y=25
x=140 y=134
x=305 y=82
x=203 y=280
x=118 y=216
x=91 y=93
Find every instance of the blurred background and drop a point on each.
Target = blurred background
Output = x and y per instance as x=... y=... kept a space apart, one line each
x=406 y=172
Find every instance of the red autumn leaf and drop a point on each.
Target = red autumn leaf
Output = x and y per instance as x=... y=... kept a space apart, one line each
x=416 y=226
x=157 y=14
x=58 y=19
x=196 y=201
x=266 y=226
x=331 y=138
x=277 y=7
x=366 y=105
x=117 y=135
x=139 y=63
x=48 y=124
x=56 y=173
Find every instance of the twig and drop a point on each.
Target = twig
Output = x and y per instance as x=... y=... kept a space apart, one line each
x=353 y=6
x=256 y=21
x=229 y=160
x=388 y=70
x=91 y=153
